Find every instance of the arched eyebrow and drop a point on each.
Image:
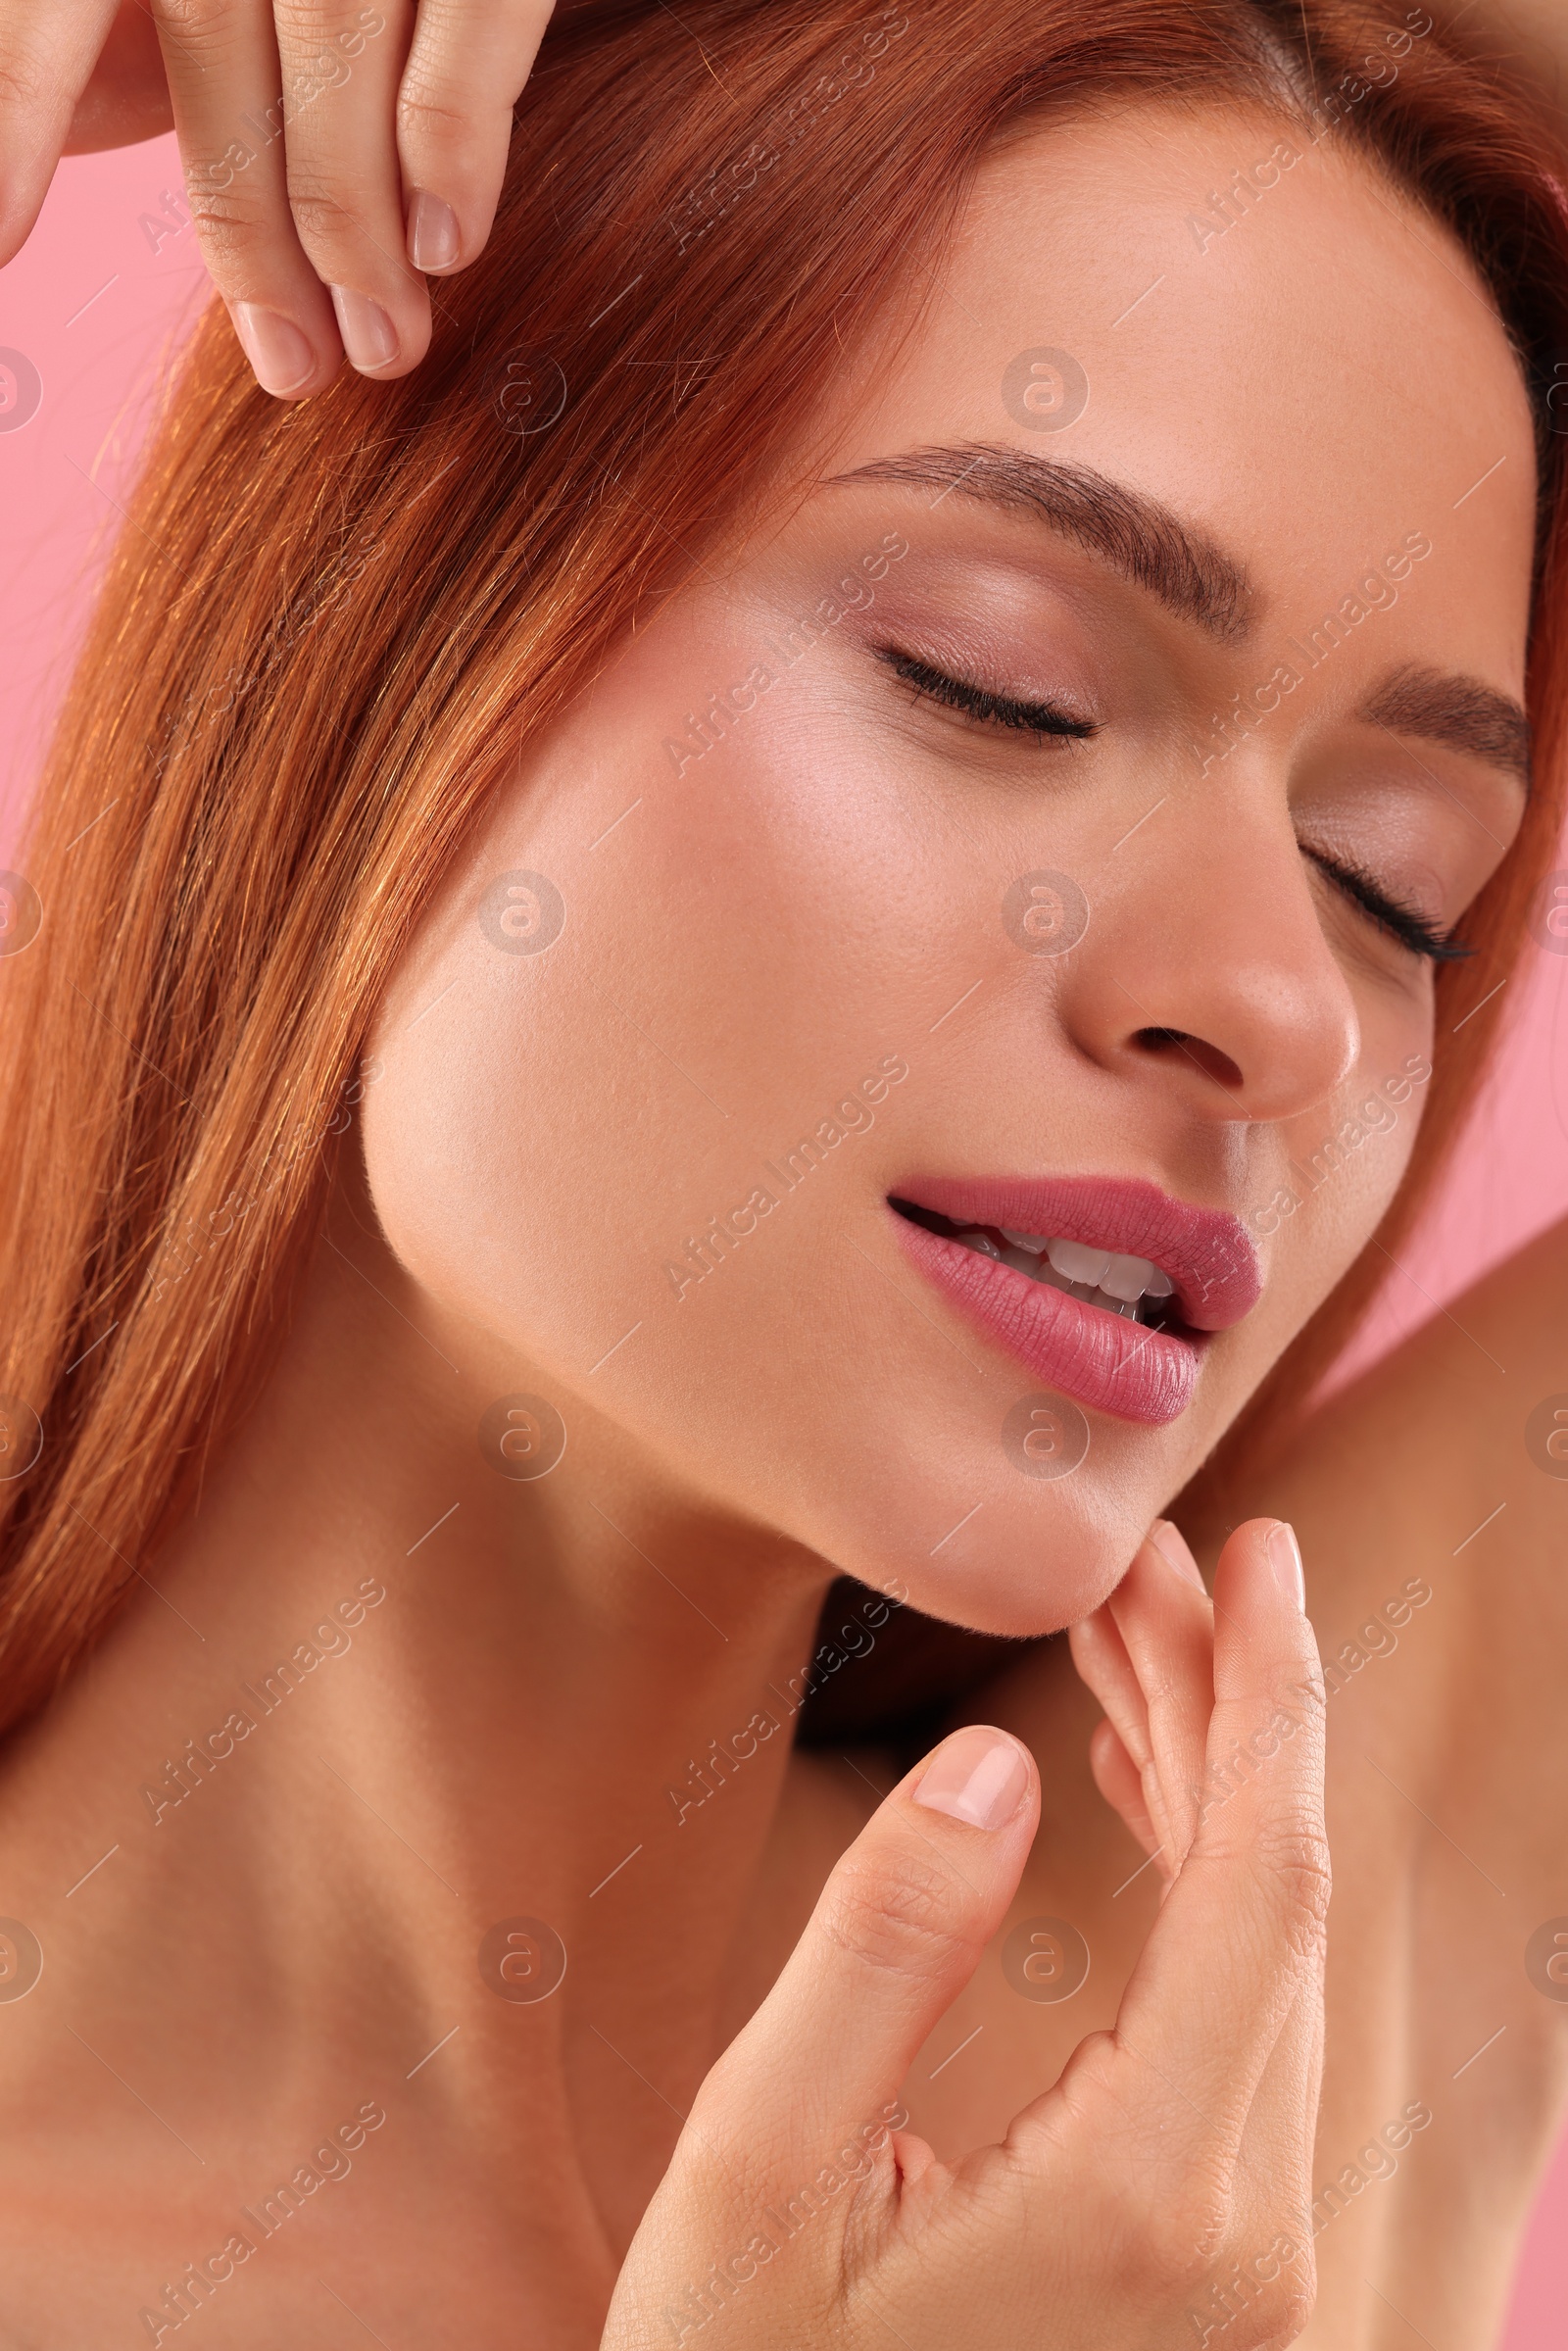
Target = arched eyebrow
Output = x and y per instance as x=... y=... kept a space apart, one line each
x=1132 y=532
x=1461 y=713
x=1147 y=544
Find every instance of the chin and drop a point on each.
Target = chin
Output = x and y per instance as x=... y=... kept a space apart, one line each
x=1023 y=1564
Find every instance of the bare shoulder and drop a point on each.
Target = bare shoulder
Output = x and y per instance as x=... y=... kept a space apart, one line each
x=1431 y=1499
x=1437 y=1485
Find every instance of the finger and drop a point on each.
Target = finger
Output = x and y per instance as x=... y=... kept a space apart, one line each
x=1261 y=2260
x=48 y=56
x=1121 y=1784
x=221 y=63
x=1241 y=1933
x=1146 y=1655
x=896 y=1933
x=1167 y=1622
x=1274 y=2164
x=125 y=98
x=466 y=70
x=341 y=67
x=1099 y=1655
x=1120 y=1755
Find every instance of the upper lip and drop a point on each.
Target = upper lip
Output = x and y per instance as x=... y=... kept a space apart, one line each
x=1207 y=1253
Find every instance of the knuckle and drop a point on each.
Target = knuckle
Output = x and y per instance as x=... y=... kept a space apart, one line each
x=1294 y=1858
x=1181 y=2233
x=1262 y=2296
x=230 y=233
x=1092 y=2085
x=900 y=1915
x=197 y=21
x=304 y=21
x=435 y=108
x=1281 y=2312
x=323 y=219
x=1291 y=2310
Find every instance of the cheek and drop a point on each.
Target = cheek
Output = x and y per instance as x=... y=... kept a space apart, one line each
x=619 y=1157
x=1347 y=1160
x=694 y=971
x=572 y=1087
x=605 y=1141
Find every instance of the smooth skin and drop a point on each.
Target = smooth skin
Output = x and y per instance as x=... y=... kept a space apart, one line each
x=1178 y=2142
x=498 y=1738
x=318 y=1907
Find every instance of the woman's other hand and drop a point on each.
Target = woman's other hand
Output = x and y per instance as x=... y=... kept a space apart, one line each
x=1149 y=1658
x=334 y=156
x=1172 y=2157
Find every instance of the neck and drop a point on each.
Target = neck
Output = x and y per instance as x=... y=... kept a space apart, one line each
x=377 y=1702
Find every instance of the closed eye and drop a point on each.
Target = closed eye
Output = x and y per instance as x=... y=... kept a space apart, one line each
x=981 y=703
x=1402 y=922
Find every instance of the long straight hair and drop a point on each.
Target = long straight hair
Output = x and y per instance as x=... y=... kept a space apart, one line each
x=329 y=628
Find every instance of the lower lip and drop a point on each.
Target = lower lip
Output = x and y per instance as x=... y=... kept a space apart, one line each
x=1105 y=1360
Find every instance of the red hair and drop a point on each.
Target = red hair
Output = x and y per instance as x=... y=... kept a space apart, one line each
x=329 y=626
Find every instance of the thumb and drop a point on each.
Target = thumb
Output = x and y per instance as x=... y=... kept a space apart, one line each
x=897 y=1933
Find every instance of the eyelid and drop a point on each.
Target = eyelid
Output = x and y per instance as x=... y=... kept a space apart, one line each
x=984 y=704
x=1411 y=929
x=1011 y=712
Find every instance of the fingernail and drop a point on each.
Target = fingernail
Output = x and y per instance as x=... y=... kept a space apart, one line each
x=1171 y=1545
x=432 y=231
x=369 y=335
x=279 y=356
x=979 y=1776
x=1286 y=1554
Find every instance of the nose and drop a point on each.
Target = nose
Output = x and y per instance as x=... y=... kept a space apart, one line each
x=1206 y=958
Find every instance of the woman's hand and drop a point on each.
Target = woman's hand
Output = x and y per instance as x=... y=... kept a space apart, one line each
x=1148 y=1655
x=334 y=156
x=1172 y=2157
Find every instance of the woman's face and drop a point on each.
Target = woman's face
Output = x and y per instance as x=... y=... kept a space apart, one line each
x=1041 y=833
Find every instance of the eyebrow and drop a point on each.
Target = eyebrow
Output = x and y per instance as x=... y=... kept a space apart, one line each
x=1459 y=713
x=1132 y=532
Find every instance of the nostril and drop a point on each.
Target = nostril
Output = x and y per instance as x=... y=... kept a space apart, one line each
x=1170 y=1043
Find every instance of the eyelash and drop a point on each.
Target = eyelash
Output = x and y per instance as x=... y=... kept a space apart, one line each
x=1402 y=922
x=972 y=700
x=1046 y=719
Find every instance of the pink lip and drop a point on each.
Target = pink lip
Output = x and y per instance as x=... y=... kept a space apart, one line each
x=1122 y=1367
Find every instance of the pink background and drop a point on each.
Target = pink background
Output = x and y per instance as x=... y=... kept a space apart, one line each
x=101 y=296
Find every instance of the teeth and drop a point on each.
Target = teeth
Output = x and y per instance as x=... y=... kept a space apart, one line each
x=1100 y=1276
x=1078 y=1262
x=1126 y=1278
